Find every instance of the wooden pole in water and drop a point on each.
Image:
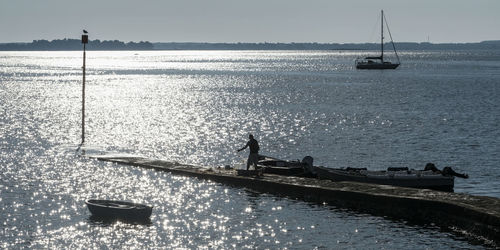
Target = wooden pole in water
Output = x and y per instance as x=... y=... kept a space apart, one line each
x=85 y=40
x=382 y=36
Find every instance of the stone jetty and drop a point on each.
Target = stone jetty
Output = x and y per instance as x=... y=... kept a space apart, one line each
x=475 y=217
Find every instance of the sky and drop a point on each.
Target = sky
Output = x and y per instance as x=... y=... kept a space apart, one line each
x=322 y=21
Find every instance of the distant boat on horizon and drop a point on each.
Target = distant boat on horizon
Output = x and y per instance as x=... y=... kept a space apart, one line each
x=377 y=62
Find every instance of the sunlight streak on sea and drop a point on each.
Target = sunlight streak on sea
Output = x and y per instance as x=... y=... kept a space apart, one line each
x=197 y=107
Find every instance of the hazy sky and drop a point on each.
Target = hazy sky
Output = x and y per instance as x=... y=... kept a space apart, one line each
x=324 y=21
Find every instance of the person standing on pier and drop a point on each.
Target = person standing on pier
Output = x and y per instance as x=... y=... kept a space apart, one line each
x=253 y=157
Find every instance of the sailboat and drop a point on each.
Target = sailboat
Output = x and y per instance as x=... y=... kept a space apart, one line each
x=378 y=62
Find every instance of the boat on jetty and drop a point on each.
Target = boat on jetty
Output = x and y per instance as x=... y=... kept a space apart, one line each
x=429 y=178
x=119 y=209
x=250 y=173
x=378 y=62
x=273 y=165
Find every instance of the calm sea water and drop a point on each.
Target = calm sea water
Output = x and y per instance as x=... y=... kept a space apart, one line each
x=198 y=107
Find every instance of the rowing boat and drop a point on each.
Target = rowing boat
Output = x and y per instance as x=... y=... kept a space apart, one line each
x=119 y=209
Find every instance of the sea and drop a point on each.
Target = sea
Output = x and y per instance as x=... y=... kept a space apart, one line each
x=198 y=107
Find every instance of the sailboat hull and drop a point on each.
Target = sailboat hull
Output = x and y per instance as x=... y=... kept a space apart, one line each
x=377 y=65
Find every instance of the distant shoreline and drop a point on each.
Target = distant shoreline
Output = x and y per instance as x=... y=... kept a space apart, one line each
x=75 y=44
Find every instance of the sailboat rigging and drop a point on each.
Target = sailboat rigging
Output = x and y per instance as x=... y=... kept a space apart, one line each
x=377 y=62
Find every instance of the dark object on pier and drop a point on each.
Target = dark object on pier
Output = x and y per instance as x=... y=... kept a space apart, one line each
x=402 y=177
x=396 y=169
x=119 y=209
x=302 y=168
x=447 y=171
x=255 y=173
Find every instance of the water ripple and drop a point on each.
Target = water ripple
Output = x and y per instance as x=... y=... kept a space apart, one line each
x=198 y=107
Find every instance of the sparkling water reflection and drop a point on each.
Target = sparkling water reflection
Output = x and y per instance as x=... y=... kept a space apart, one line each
x=197 y=107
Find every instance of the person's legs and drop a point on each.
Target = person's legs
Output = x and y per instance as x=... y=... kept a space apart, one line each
x=254 y=159
x=249 y=161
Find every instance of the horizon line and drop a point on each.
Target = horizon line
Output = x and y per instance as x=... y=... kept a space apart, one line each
x=262 y=42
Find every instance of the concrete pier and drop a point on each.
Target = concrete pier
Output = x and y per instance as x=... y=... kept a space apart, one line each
x=476 y=217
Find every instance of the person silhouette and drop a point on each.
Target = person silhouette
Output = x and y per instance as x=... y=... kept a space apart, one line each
x=253 y=157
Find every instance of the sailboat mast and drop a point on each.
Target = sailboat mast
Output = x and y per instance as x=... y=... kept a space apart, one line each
x=382 y=36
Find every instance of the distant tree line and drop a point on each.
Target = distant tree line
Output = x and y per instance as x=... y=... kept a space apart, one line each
x=325 y=46
x=76 y=44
